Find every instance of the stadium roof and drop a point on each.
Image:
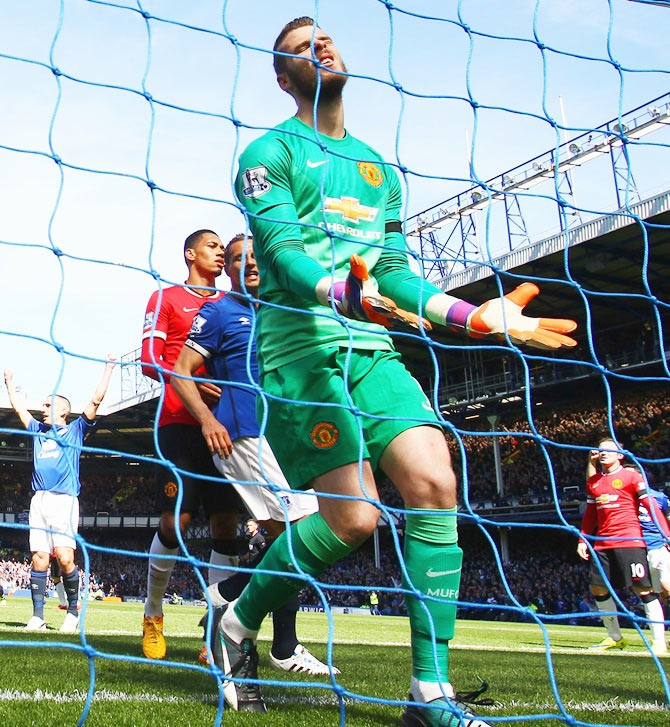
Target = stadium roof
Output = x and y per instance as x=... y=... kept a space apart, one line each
x=608 y=258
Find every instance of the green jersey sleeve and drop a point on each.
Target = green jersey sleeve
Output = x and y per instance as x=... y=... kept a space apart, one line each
x=263 y=187
x=392 y=270
x=397 y=281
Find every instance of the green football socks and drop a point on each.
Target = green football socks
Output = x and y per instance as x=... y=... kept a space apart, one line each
x=315 y=546
x=433 y=561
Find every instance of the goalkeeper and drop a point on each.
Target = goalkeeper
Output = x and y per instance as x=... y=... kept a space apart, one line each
x=325 y=209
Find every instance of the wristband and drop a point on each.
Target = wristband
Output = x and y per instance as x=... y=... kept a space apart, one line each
x=459 y=313
x=446 y=310
x=322 y=290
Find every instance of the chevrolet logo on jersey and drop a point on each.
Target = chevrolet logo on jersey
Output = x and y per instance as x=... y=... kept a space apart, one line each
x=351 y=209
x=606 y=499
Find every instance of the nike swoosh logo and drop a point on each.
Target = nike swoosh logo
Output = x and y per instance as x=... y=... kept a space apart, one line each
x=436 y=573
x=189 y=310
x=314 y=165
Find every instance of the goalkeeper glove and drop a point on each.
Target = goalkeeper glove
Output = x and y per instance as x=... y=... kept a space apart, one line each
x=499 y=316
x=358 y=297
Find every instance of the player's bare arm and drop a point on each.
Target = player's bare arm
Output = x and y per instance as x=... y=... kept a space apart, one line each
x=91 y=409
x=209 y=392
x=215 y=434
x=152 y=350
x=15 y=400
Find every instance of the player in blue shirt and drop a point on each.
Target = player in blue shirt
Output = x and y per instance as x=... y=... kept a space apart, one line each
x=221 y=338
x=54 y=507
x=658 y=555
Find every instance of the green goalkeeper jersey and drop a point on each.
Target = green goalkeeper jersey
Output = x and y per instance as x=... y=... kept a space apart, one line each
x=312 y=202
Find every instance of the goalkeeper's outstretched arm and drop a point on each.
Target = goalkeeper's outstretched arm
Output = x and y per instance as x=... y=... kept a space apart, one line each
x=360 y=298
x=393 y=296
x=499 y=316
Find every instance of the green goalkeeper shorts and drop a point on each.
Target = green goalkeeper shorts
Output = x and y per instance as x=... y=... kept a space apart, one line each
x=320 y=428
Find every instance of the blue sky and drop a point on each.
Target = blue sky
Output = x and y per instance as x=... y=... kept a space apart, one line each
x=121 y=232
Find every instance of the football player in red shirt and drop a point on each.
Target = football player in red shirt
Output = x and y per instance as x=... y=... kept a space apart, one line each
x=168 y=320
x=613 y=495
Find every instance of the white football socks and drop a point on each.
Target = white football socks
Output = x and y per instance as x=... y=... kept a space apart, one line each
x=158 y=577
x=428 y=691
x=216 y=574
x=611 y=623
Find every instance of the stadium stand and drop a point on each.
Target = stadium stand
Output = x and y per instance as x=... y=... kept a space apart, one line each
x=117 y=509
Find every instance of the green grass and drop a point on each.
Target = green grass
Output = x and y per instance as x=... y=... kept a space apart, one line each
x=48 y=686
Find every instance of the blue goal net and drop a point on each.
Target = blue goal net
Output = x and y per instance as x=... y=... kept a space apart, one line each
x=531 y=141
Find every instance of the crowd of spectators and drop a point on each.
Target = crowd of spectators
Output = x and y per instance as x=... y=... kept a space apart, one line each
x=547 y=579
x=117 y=493
x=642 y=424
x=547 y=582
x=530 y=462
x=544 y=575
x=111 y=573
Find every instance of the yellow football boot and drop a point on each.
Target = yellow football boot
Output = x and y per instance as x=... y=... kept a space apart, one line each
x=153 y=641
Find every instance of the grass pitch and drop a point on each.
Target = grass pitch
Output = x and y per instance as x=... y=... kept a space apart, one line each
x=45 y=677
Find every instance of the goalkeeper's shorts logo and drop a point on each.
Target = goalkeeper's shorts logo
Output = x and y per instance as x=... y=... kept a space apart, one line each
x=371 y=173
x=324 y=435
x=170 y=489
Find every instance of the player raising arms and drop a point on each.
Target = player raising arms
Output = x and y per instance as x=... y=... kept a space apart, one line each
x=221 y=338
x=54 y=506
x=613 y=495
x=168 y=319
x=325 y=209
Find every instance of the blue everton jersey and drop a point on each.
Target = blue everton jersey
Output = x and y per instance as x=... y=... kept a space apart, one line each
x=650 y=532
x=56 y=456
x=221 y=332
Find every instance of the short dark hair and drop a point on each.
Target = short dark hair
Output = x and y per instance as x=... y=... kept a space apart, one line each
x=237 y=238
x=279 y=61
x=194 y=238
x=607 y=438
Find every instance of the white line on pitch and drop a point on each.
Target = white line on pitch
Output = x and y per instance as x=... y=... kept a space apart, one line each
x=104 y=695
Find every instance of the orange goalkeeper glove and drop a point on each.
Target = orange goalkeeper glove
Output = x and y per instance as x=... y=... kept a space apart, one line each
x=358 y=297
x=498 y=316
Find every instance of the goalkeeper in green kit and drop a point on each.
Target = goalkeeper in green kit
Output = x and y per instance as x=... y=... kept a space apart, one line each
x=325 y=213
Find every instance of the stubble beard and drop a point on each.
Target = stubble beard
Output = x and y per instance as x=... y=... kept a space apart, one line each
x=330 y=88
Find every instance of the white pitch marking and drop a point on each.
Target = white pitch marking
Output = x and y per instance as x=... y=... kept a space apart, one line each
x=104 y=695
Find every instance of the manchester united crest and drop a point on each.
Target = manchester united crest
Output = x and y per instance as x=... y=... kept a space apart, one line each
x=371 y=173
x=324 y=435
x=617 y=484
